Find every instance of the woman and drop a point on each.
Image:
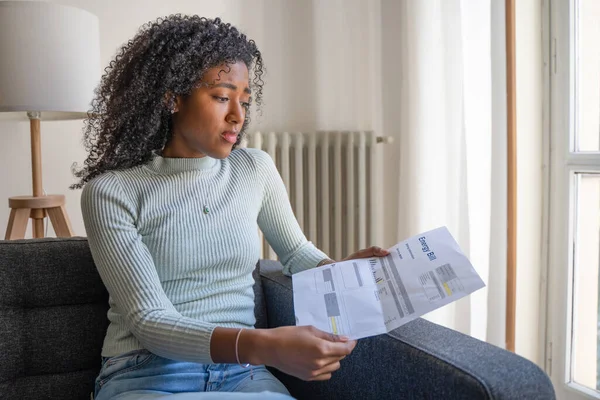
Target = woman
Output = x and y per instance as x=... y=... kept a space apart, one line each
x=171 y=213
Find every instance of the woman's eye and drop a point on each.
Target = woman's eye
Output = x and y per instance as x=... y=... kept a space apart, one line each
x=221 y=99
x=246 y=105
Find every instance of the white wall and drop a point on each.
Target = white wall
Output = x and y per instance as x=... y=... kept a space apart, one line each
x=322 y=73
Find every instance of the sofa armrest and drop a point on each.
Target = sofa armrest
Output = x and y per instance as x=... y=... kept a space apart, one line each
x=417 y=360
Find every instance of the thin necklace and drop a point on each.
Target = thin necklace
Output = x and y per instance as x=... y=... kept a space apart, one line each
x=205 y=208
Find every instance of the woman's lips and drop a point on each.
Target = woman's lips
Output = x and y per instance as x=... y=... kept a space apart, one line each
x=230 y=136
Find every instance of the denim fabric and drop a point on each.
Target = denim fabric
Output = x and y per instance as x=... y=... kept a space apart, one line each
x=141 y=374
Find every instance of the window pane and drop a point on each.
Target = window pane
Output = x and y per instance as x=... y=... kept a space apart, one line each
x=587 y=69
x=586 y=338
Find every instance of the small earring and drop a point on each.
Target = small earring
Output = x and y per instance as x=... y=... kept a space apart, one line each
x=172 y=105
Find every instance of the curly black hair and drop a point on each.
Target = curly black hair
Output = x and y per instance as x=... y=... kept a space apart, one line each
x=130 y=118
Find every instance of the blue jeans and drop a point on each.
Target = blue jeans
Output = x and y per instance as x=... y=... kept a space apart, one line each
x=141 y=374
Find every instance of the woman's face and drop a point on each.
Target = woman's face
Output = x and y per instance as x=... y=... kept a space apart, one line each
x=207 y=122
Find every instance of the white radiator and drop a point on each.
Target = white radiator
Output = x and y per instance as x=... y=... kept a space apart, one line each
x=330 y=180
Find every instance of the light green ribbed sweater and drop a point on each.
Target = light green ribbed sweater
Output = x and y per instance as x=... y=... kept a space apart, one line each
x=175 y=242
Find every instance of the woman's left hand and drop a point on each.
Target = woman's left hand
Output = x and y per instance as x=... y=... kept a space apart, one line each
x=373 y=251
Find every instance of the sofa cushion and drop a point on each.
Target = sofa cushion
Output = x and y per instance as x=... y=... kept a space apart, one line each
x=53 y=320
x=260 y=307
x=53 y=315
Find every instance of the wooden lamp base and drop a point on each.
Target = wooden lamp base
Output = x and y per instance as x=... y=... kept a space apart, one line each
x=38 y=206
x=24 y=207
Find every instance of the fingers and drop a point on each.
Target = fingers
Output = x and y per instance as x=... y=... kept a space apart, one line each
x=324 y=377
x=352 y=344
x=338 y=349
x=337 y=338
x=335 y=345
x=328 y=336
x=321 y=355
x=373 y=251
x=379 y=252
x=330 y=365
x=325 y=372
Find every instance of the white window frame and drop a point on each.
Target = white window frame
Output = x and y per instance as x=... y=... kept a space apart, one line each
x=560 y=166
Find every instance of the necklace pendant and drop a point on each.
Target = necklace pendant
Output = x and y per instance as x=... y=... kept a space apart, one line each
x=205 y=209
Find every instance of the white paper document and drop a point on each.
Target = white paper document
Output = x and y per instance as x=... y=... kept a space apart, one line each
x=366 y=297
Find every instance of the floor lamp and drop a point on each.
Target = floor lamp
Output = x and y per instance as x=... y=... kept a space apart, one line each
x=49 y=66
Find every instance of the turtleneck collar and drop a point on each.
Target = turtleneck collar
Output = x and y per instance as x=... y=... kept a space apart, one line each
x=169 y=165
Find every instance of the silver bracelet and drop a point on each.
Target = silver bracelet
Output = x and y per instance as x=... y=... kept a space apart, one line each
x=325 y=262
x=237 y=357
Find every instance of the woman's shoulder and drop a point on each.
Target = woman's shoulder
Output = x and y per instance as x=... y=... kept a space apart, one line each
x=249 y=153
x=100 y=188
x=103 y=181
x=256 y=159
x=113 y=177
x=112 y=183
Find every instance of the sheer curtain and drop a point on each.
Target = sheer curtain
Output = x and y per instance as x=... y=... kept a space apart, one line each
x=447 y=159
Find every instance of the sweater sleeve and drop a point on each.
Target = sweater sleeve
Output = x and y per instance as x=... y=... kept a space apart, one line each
x=127 y=270
x=278 y=223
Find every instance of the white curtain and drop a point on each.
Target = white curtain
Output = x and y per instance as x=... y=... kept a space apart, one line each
x=446 y=141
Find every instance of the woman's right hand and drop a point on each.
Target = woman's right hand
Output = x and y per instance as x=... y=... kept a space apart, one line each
x=302 y=351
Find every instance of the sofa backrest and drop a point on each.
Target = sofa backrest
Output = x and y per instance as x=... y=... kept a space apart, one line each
x=53 y=320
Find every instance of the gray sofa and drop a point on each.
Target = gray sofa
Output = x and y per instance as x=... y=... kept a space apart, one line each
x=53 y=319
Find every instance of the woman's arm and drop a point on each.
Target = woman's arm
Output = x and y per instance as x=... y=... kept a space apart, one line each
x=278 y=223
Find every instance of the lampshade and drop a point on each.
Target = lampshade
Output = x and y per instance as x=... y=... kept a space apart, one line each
x=49 y=60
